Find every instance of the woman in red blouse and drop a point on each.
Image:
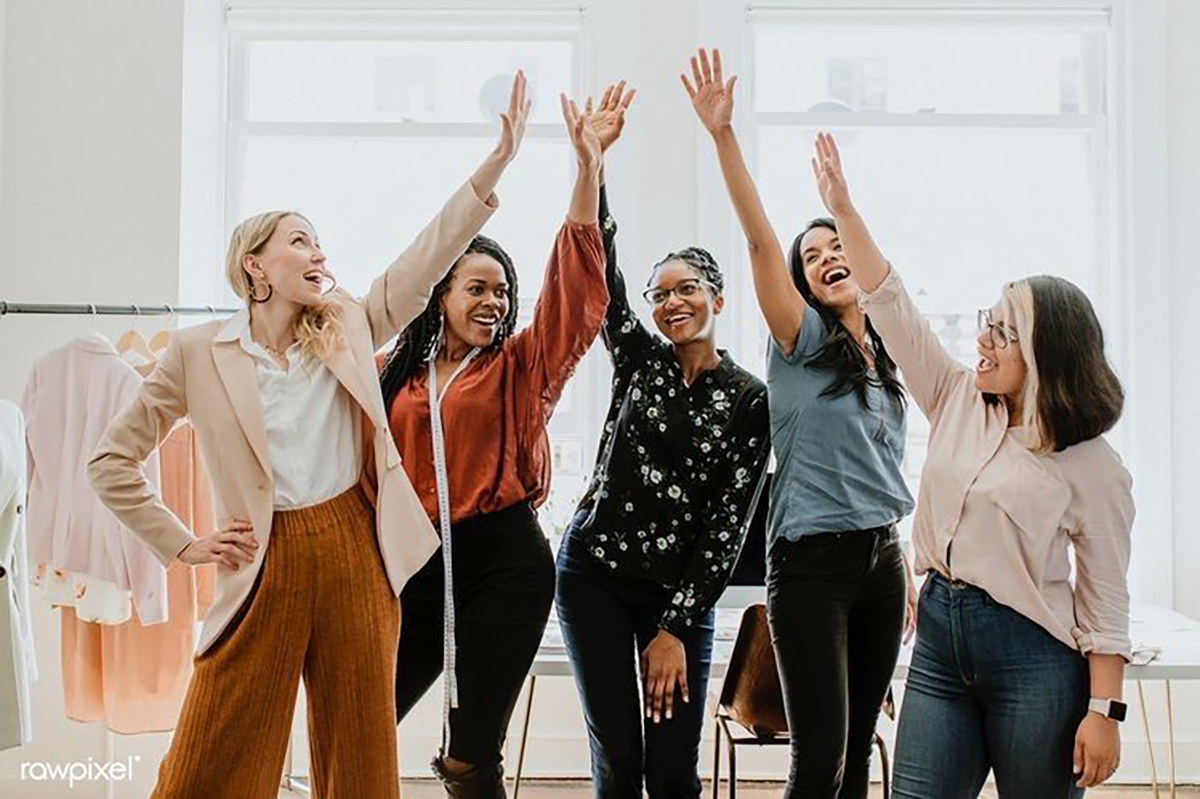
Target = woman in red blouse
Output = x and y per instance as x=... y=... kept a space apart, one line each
x=468 y=403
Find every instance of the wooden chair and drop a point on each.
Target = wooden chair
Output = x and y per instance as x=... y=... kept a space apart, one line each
x=751 y=701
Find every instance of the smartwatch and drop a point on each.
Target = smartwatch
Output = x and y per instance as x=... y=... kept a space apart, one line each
x=1109 y=708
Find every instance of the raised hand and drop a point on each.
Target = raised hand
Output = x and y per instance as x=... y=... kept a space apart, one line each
x=512 y=121
x=831 y=182
x=584 y=137
x=712 y=96
x=608 y=118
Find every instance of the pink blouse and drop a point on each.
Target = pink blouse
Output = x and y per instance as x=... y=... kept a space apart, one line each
x=998 y=516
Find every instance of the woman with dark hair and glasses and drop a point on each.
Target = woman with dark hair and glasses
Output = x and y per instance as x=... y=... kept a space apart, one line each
x=656 y=536
x=836 y=585
x=1017 y=668
x=468 y=403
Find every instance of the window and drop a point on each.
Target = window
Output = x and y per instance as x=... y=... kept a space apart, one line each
x=1010 y=167
x=366 y=121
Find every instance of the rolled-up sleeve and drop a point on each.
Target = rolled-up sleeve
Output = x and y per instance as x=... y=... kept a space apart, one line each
x=927 y=368
x=1102 y=544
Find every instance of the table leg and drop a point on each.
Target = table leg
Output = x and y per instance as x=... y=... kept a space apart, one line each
x=524 y=735
x=1171 y=738
x=1149 y=743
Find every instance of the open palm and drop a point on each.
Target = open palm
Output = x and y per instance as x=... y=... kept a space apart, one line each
x=712 y=96
x=608 y=119
x=512 y=121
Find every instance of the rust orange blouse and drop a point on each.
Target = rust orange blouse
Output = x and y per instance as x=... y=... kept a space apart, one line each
x=494 y=414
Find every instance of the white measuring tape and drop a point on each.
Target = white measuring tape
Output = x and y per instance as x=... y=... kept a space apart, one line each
x=449 y=656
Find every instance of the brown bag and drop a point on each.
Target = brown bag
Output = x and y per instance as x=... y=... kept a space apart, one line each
x=751 y=694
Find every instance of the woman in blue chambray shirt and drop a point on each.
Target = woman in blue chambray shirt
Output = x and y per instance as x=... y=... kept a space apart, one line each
x=836 y=583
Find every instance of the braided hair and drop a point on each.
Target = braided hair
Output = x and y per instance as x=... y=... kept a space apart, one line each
x=699 y=259
x=416 y=343
x=840 y=353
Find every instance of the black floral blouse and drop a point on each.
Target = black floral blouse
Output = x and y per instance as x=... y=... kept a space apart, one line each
x=679 y=468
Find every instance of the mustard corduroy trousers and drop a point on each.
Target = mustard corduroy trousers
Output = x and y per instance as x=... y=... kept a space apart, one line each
x=322 y=609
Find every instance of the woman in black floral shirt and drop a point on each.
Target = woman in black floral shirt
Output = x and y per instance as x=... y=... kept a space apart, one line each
x=657 y=535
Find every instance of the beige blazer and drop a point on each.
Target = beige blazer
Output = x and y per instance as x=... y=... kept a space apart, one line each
x=215 y=385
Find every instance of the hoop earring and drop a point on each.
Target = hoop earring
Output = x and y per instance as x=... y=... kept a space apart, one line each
x=254 y=293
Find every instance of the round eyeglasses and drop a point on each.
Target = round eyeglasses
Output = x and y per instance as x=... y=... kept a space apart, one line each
x=684 y=289
x=998 y=332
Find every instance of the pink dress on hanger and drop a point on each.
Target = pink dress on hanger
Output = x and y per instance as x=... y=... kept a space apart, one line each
x=133 y=677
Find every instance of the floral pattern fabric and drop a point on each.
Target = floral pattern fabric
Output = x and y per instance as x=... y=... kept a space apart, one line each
x=680 y=467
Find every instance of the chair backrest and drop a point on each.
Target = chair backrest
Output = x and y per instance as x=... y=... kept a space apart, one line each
x=751 y=694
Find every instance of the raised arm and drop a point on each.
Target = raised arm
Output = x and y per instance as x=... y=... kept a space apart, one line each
x=778 y=297
x=401 y=293
x=623 y=333
x=573 y=299
x=928 y=370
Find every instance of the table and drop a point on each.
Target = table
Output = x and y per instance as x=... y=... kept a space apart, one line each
x=1177 y=635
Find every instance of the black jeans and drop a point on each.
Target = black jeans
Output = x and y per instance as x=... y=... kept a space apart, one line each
x=503 y=587
x=607 y=620
x=836 y=606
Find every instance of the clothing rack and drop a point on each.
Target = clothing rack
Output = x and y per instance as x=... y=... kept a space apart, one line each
x=91 y=309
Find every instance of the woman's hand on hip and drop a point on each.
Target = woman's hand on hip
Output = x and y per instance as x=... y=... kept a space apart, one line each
x=231 y=546
x=664 y=665
x=1097 y=750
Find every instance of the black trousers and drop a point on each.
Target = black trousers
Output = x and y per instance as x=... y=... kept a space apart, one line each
x=836 y=607
x=503 y=587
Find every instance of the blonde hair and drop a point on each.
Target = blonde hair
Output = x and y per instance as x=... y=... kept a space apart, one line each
x=318 y=328
x=1018 y=305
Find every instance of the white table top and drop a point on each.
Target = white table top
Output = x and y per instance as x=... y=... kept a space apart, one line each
x=1175 y=634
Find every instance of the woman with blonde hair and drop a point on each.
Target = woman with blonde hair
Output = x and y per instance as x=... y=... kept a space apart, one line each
x=314 y=550
x=1018 y=667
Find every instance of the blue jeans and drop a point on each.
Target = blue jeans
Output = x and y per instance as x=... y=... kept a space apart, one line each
x=987 y=689
x=607 y=620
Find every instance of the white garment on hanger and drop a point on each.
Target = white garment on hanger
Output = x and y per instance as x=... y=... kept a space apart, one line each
x=18 y=667
x=71 y=396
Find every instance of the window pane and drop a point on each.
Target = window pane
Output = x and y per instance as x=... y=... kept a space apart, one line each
x=959 y=212
x=945 y=68
x=392 y=81
x=368 y=198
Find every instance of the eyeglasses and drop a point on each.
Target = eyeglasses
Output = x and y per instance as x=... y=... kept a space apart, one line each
x=684 y=289
x=999 y=334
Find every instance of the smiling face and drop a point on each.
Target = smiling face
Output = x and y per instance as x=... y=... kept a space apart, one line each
x=477 y=299
x=825 y=268
x=688 y=318
x=291 y=262
x=1001 y=367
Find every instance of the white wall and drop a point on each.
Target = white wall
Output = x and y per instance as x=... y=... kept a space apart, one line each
x=91 y=139
x=1183 y=146
x=91 y=187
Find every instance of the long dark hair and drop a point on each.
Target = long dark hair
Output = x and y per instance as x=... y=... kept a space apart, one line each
x=1079 y=396
x=840 y=353
x=415 y=345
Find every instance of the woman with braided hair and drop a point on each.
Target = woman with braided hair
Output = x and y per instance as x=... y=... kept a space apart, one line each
x=658 y=532
x=468 y=402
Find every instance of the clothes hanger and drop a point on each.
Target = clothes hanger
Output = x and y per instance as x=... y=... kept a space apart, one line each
x=162 y=339
x=133 y=340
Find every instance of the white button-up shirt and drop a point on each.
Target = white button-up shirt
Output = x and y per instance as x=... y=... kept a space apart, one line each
x=312 y=428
